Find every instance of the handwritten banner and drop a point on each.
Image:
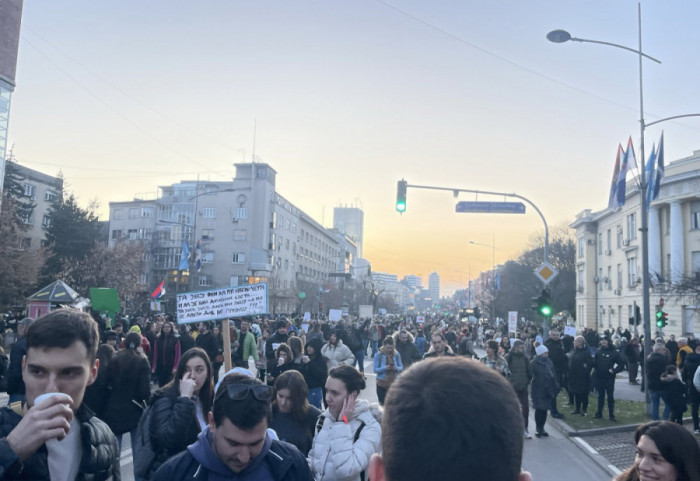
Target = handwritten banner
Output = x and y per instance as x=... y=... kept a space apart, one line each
x=222 y=303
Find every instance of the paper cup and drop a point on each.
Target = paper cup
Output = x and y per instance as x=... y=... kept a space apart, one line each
x=51 y=443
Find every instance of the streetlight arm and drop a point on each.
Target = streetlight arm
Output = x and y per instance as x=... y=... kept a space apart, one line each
x=649 y=124
x=575 y=39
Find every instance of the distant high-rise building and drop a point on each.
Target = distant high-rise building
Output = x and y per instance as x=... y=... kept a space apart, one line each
x=10 y=19
x=413 y=282
x=434 y=286
x=350 y=221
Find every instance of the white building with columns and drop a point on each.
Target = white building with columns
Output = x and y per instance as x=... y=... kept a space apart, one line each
x=609 y=250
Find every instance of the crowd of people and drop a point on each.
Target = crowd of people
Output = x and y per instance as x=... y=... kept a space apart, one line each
x=290 y=408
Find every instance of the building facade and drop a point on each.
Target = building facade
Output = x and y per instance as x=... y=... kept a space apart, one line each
x=41 y=190
x=434 y=287
x=350 y=221
x=609 y=250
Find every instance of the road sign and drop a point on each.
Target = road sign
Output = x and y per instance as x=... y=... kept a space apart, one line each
x=546 y=272
x=491 y=207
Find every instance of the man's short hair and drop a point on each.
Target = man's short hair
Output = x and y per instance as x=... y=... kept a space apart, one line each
x=61 y=328
x=245 y=413
x=449 y=418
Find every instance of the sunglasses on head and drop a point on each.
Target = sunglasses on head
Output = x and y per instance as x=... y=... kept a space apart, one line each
x=238 y=392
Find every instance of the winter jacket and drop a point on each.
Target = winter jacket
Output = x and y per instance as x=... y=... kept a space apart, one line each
x=499 y=364
x=420 y=343
x=174 y=425
x=290 y=430
x=604 y=361
x=250 y=348
x=380 y=363
x=655 y=366
x=316 y=370
x=277 y=459
x=275 y=338
x=335 y=456
x=675 y=392
x=692 y=363
x=683 y=351
x=129 y=384
x=520 y=370
x=100 y=451
x=557 y=355
x=336 y=354
x=544 y=383
x=209 y=344
x=409 y=352
x=15 y=384
x=580 y=365
x=166 y=353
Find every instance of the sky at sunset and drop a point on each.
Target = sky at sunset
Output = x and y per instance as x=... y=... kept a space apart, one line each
x=350 y=96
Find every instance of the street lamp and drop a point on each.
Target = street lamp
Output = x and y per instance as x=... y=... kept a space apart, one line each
x=561 y=36
x=493 y=272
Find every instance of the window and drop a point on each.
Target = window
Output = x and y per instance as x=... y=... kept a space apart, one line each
x=581 y=244
x=209 y=213
x=204 y=281
x=50 y=196
x=143 y=279
x=46 y=222
x=632 y=271
x=118 y=214
x=695 y=216
x=239 y=235
x=600 y=278
x=238 y=258
x=207 y=257
x=608 y=243
x=241 y=213
x=632 y=226
x=30 y=191
x=116 y=234
x=581 y=279
x=609 y=281
x=25 y=242
x=27 y=218
x=146 y=211
x=207 y=234
x=619 y=276
x=600 y=243
x=133 y=212
x=133 y=234
x=619 y=236
x=273 y=220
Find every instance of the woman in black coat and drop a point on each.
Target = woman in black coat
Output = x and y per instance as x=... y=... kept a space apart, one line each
x=315 y=371
x=166 y=354
x=544 y=388
x=128 y=381
x=180 y=408
x=580 y=365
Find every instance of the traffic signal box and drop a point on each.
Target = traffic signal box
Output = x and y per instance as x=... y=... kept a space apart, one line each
x=401 y=196
x=543 y=303
x=661 y=318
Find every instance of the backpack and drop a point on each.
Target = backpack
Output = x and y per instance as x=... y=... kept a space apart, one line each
x=143 y=450
x=319 y=426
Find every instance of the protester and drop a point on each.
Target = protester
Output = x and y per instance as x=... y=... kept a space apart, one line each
x=580 y=366
x=349 y=433
x=15 y=384
x=544 y=388
x=607 y=364
x=180 y=408
x=655 y=366
x=692 y=363
x=315 y=371
x=675 y=392
x=236 y=443
x=97 y=393
x=336 y=353
x=494 y=360
x=447 y=433
x=520 y=377
x=293 y=418
x=285 y=362
x=387 y=366
x=438 y=347
x=665 y=452
x=561 y=366
x=166 y=354
x=62 y=341
x=403 y=341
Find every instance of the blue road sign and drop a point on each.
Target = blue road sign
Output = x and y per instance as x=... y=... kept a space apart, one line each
x=491 y=207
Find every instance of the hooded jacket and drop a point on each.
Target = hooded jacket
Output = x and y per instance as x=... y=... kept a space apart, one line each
x=276 y=461
x=316 y=370
x=335 y=455
x=337 y=354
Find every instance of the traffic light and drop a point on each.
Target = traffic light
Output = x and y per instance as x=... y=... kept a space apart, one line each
x=543 y=303
x=401 y=196
x=661 y=319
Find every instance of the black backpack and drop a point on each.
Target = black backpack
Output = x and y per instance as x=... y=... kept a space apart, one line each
x=143 y=450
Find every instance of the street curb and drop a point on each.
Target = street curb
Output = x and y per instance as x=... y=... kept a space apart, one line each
x=564 y=428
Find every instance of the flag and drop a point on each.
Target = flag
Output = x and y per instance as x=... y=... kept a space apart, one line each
x=185 y=257
x=649 y=173
x=659 y=167
x=612 y=199
x=627 y=160
x=633 y=160
x=159 y=292
x=198 y=257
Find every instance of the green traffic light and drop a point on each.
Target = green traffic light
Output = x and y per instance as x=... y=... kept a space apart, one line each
x=401 y=187
x=546 y=310
x=400 y=206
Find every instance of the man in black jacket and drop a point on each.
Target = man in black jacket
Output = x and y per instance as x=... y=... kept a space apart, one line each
x=236 y=442
x=61 y=360
x=607 y=364
x=273 y=341
x=15 y=385
x=207 y=341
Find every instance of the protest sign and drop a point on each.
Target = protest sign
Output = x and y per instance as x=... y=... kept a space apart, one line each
x=222 y=303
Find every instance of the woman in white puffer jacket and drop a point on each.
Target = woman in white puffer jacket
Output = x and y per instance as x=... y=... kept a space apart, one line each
x=347 y=433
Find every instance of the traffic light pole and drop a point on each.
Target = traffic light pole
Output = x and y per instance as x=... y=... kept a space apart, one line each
x=403 y=185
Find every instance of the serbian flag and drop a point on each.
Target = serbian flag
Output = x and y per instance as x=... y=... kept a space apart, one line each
x=649 y=172
x=612 y=199
x=198 y=257
x=159 y=292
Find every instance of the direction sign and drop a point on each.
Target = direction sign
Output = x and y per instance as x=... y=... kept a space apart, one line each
x=491 y=207
x=546 y=272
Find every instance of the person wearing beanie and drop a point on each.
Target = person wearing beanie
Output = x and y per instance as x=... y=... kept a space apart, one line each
x=544 y=387
x=607 y=363
x=387 y=366
x=280 y=336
